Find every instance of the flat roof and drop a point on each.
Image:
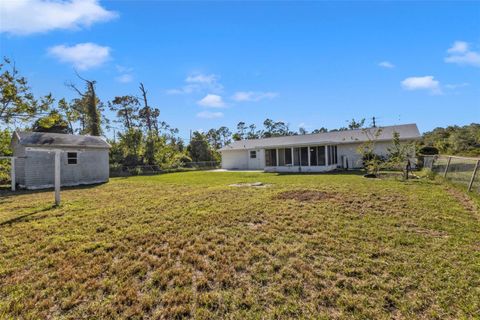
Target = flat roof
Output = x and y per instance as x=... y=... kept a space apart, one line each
x=406 y=132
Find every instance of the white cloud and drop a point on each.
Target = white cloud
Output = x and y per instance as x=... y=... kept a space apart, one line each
x=212 y=101
x=386 y=64
x=458 y=47
x=422 y=83
x=456 y=85
x=124 y=78
x=202 y=78
x=461 y=54
x=198 y=82
x=209 y=115
x=25 y=17
x=83 y=55
x=241 y=96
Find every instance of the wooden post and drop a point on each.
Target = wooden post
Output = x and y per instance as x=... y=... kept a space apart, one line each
x=473 y=176
x=57 y=177
x=446 y=168
x=12 y=173
x=308 y=156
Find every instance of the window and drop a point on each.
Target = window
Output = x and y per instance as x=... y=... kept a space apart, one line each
x=253 y=154
x=271 y=157
x=71 y=157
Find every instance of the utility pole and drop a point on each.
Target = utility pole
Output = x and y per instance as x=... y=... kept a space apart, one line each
x=374 y=124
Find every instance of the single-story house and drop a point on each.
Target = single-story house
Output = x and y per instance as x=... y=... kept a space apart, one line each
x=83 y=159
x=312 y=152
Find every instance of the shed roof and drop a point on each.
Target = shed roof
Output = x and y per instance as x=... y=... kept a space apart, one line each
x=406 y=131
x=46 y=139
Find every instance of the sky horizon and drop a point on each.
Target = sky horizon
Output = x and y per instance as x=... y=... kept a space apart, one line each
x=209 y=64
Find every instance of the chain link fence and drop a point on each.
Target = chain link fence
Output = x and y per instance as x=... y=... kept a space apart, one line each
x=460 y=170
x=122 y=171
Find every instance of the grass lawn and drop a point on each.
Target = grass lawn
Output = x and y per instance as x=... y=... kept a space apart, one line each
x=189 y=245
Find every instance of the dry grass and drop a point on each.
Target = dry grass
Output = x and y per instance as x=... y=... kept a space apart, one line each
x=189 y=245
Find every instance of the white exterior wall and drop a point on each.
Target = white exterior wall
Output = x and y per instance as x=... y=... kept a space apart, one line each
x=235 y=160
x=354 y=158
x=240 y=160
x=92 y=167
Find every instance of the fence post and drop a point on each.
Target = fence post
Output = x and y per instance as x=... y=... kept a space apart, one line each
x=473 y=176
x=57 y=177
x=12 y=173
x=446 y=168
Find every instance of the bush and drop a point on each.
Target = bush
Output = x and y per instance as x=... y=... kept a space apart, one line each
x=427 y=173
x=428 y=151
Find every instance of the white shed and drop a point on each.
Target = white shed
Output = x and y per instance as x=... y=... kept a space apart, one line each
x=83 y=159
x=311 y=152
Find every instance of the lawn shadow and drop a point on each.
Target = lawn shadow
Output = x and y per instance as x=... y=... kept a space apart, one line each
x=7 y=193
x=22 y=217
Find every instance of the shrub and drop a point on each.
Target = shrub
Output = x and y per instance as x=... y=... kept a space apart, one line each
x=428 y=151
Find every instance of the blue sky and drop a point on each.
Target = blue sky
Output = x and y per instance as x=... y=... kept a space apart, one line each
x=208 y=64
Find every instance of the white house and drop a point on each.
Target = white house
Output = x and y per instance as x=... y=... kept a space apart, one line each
x=83 y=159
x=311 y=152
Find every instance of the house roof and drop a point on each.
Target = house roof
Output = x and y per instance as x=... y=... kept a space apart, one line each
x=46 y=139
x=406 y=131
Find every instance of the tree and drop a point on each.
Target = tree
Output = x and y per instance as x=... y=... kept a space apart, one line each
x=89 y=107
x=199 y=149
x=454 y=140
x=399 y=155
x=240 y=134
x=356 y=124
x=302 y=131
x=126 y=108
x=53 y=122
x=321 y=130
x=371 y=161
x=17 y=101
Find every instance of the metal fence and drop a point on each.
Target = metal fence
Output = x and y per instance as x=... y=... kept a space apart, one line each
x=117 y=171
x=461 y=170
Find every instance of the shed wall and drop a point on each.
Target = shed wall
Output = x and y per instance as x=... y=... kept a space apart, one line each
x=92 y=167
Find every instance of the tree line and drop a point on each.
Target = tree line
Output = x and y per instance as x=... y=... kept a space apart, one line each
x=142 y=138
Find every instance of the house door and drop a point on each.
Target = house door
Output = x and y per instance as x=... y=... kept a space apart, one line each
x=254 y=160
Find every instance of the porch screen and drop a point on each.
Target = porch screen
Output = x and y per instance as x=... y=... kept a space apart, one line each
x=284 y=157
x=296 y=156
x=271 y=157
x=304 y=156
x=321 y=156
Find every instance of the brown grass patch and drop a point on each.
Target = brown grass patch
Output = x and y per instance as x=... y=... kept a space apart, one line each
x=463 y=198
x=305 y=195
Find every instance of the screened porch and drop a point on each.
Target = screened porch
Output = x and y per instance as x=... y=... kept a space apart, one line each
x=317 y=157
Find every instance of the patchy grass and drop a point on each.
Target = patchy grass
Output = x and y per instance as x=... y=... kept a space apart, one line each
x=189 y=245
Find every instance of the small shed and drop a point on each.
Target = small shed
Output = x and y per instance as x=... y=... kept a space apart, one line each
x=83 y=159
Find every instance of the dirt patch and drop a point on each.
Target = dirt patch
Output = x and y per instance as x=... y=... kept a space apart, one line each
x=464 y=199
x=252 y=185
x=305 y=195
